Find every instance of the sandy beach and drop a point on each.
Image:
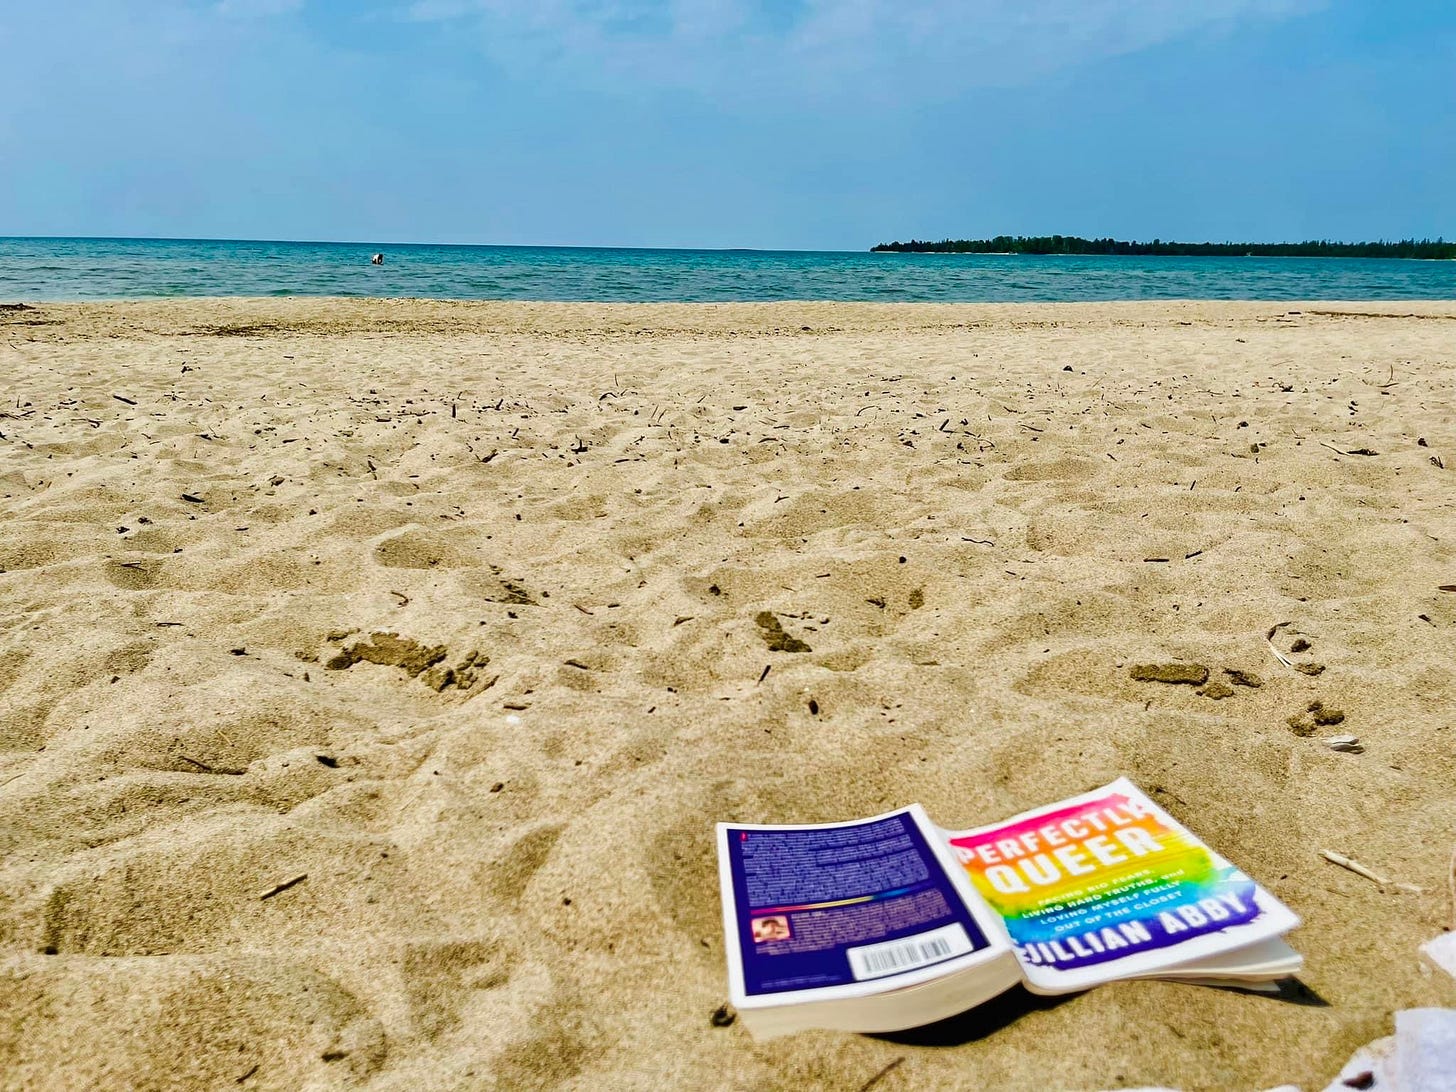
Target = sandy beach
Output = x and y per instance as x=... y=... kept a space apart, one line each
x=372 y=673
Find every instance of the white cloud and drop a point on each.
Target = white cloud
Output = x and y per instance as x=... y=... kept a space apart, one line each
x=828 y=46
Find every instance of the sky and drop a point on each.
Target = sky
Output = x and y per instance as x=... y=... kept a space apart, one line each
x=777 y=124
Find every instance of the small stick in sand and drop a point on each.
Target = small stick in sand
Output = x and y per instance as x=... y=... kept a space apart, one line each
x=1353 y=451
x=1269 y=639
x=279 y=888
x=1353 y=866
x=1360 y=870
x=882 y=1074
x=205 y=768
x=1452 y=882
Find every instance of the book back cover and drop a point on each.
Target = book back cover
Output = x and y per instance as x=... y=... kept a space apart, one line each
x=842 y=910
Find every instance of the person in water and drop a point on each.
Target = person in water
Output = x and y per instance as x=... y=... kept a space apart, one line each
x=376 y=259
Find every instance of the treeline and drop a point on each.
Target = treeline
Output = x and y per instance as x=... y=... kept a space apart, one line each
x=1073 y=244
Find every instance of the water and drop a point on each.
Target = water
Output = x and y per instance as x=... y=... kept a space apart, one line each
x=72 y=269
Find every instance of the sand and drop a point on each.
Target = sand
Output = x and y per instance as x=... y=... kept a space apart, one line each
x=372 y=674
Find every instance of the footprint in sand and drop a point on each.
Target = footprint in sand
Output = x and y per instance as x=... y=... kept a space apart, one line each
x=1066 y=469
x=208 y=1022
x=135 y=575
x=515 y=868
x=421 y=550
x=440 y=976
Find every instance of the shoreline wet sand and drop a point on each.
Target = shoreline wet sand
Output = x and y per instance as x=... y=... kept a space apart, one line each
x=372 y=672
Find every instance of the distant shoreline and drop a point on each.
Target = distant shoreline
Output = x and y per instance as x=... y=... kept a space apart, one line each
x=1064 y=245
x=1034 y=254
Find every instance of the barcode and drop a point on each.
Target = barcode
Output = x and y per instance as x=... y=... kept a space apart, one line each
x=906 y=955
x=877 y=960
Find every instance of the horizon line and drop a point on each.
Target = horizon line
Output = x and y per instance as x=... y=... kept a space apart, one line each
x=378 y=243
x=872 y=249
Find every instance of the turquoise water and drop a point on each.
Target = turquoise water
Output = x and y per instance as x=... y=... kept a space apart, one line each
x=71 y=269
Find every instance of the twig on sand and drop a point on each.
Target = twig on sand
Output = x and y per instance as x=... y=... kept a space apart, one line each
x=205 y=768
x=1269 y=639
x=1352 y=865
x=1451 y=880
x=882 y=1074
x=1355 y=451
x=279 y=888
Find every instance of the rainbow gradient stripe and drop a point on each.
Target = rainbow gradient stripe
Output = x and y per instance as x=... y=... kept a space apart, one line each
x=760 y=911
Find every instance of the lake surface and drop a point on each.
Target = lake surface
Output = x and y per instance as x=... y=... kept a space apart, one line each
x=74 y=269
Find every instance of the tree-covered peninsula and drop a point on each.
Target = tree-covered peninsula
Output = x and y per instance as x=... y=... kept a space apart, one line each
x=1073 y=244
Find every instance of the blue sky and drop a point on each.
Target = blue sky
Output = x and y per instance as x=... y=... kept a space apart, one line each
x=828 y=124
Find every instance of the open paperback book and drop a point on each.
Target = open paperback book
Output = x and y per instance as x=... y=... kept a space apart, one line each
x=888 y=923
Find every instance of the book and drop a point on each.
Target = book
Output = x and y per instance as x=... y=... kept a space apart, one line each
x=890 y=922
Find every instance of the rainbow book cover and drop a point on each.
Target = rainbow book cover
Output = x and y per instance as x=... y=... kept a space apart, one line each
x=1107 y=885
